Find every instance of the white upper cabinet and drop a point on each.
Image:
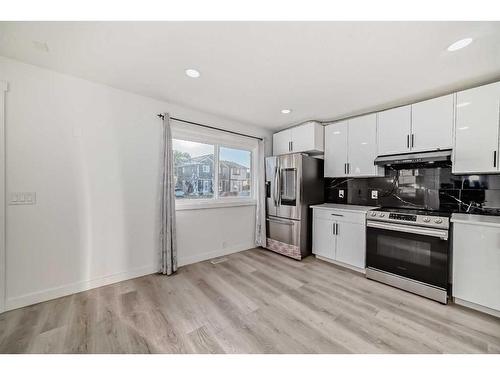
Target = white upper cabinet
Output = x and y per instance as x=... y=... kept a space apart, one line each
x=336 y=149
x=281 y=142
x=307 y=138
x=393 y=131
x=476 y=130
x=432 y=124
x=362 y=146
x=424 y=126
x=351 y=148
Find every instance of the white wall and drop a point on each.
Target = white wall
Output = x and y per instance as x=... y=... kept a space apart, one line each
x=91 y=154
x=3 y=88
x=207 y=233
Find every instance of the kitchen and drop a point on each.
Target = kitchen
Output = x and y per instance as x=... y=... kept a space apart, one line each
x=409 y=192
x=251 y=188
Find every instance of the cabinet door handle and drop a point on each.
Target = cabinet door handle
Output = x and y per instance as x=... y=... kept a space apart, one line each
x=494 y=159
x=333 y=229
x=408 y=141
x=336 y=229
x=348 y=168
x=412 y=140
x=291 y=145
x=345 y=168
x=337 y=215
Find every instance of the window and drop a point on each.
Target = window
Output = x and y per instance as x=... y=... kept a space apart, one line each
x=236 y=183
x=189 y=159
x=194 y=168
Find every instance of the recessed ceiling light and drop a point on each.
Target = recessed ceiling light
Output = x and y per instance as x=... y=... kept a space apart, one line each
x=193 y=73
x=286 y=111
x=459 y=44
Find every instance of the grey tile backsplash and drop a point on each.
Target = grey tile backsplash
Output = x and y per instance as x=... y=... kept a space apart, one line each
x=427 y=188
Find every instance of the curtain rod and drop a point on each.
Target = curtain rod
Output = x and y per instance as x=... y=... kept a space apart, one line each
x=160 y=115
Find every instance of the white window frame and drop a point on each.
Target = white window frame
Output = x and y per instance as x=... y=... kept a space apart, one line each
x=218 y=139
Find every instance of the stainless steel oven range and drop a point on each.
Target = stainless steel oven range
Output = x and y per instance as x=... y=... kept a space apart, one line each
x=409 y=249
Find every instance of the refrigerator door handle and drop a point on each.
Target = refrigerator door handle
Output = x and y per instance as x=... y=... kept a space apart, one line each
x=275 y=192
x=279 y=186
x=277 y=181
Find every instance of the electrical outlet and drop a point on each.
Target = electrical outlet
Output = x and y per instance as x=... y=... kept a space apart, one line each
x=341 y=193
x=374 y=194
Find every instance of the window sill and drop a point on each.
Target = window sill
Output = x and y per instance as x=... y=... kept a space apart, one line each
x=183 y=206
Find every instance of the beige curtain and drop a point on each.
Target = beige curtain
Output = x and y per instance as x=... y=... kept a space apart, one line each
x=168 y=244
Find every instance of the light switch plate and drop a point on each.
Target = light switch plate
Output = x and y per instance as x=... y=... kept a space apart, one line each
x=26 y=198
x=374 y=194
x=341 y=193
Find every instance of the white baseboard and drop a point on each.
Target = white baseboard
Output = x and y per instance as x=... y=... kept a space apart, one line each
x=183 y=261
x=52 y=293
x=475 y=306
x=345 y=265
x=48 y=294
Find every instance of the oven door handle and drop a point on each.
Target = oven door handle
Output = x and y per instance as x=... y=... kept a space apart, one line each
x=442 y=234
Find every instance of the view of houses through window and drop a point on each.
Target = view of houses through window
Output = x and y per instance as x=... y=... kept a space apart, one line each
x=194 y=171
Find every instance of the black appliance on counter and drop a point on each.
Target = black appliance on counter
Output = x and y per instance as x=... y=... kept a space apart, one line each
x=409 y=249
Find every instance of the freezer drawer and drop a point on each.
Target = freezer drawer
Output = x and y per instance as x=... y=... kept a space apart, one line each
x=284 y=236
x=284 y=230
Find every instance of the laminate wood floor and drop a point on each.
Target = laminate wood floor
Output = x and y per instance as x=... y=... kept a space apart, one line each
x=255 y=302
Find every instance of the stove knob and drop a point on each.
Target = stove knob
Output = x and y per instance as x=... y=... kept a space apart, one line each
x=426 y=219
x=381 y=215
x=438 y=221
x=374 y=214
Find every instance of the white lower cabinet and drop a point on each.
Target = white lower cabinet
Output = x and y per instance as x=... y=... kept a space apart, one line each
x=340 y=237
x=323 y=237
x=351 y=244
x=476 y=265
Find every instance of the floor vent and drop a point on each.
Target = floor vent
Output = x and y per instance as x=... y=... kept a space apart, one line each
x=218 y=260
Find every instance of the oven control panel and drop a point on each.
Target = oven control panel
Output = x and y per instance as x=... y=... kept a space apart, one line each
x=440 y=222
x=403 y=217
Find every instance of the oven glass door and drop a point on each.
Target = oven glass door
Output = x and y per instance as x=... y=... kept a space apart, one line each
x=415 y=256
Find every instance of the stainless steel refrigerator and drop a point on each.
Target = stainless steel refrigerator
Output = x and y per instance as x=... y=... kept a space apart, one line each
x=293 y=183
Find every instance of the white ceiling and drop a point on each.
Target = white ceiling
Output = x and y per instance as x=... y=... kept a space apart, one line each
x=252 y=70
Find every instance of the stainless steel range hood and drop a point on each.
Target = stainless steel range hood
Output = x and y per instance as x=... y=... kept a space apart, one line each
x=429 y=157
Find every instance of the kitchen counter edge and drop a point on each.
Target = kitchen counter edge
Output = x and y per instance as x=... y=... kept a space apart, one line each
x=343 y=207
x=487 y=220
